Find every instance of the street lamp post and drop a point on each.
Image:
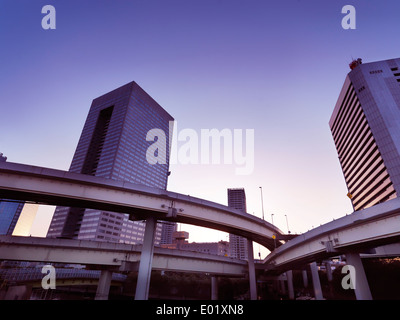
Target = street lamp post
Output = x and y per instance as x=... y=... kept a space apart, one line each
x=262 y=203
x=287 y=224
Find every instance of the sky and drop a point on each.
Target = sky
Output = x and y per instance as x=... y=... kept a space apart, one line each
x=275 y=67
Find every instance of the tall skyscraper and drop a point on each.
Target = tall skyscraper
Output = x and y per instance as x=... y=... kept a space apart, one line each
x=10 y=211
x=114 y=145
x=237 y=244
x=365 y=126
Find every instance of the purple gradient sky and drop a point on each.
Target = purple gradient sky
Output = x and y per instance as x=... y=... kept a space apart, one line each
x=275 y=67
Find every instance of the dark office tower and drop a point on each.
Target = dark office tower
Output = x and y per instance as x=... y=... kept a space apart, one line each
x=168 y=229
x=113 y=145
x=237 y=244
x=365 y=125
x=9 y=211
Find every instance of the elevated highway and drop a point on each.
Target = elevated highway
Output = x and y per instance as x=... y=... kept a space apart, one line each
x=349 y=235
x=357 y=232
x=63 y=188
x=115 y=256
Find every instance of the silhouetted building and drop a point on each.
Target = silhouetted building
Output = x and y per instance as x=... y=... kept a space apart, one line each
x=365 y=126
x=237 y=244
x=167 y=231
x=180 y=242
x=114 y=145
x=220 y=248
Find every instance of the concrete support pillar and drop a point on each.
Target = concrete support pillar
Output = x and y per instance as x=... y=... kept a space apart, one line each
x=361 y=286
x=146 y=260
x=214 y=288
x=275 y=286
x=289 y=275
x=282 y=287
x=252 y=270
x=316 y=282
x=305 y=278
x=328 y=271
x=103 y=288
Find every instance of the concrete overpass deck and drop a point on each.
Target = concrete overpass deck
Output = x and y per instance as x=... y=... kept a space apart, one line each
x=56 y=187
x=115 y=256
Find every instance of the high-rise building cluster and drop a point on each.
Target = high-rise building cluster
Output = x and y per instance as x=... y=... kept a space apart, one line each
x=365 y=126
